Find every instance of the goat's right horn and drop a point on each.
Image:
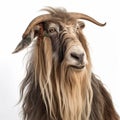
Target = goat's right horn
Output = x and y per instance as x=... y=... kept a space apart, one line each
x=86 y=17
x=36 y=21
x=29 y=32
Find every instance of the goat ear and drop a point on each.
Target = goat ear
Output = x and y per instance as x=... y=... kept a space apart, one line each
x=27 y=39
x=81 y=24
x=23 y=44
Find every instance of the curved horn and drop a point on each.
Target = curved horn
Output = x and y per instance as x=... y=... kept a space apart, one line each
x=35 y=21
x=29 y=32
x=86 y=17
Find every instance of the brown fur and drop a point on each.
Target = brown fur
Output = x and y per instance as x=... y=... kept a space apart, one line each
x=53 y=91
x=102 y=106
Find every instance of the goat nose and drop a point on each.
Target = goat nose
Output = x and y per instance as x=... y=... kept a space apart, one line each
x=78 y=57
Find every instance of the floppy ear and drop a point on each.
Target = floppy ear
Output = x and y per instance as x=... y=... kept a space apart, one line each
x=81 y=24
x=28 y=38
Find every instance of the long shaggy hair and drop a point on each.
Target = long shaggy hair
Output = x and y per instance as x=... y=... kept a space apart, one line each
x=52 y=90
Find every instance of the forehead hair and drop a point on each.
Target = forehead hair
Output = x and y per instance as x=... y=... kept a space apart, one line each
x=61 y=14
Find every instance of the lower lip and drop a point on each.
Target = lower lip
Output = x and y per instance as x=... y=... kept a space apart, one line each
x=78 y=67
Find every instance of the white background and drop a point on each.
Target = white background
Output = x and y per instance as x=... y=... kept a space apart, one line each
x=104 y=44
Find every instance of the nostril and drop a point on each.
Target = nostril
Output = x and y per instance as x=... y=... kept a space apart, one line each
x=78 y=57
x=75 y=56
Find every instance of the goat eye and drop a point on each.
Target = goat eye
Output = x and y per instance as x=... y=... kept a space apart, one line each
x=51 y=30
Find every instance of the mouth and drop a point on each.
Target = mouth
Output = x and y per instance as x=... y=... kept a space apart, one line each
x=78 y=67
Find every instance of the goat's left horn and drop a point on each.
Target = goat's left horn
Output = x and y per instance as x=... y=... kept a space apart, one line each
x=86 y=17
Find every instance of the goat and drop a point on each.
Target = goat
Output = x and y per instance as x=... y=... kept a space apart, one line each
x=59 y=83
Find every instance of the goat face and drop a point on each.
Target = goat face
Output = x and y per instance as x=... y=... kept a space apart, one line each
x=66 y=45
x=65 y=32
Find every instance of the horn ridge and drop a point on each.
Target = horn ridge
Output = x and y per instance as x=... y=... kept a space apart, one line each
x=86 y=17
x=35 y=21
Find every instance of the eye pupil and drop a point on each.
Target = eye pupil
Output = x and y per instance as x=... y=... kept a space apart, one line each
x=51 y=30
